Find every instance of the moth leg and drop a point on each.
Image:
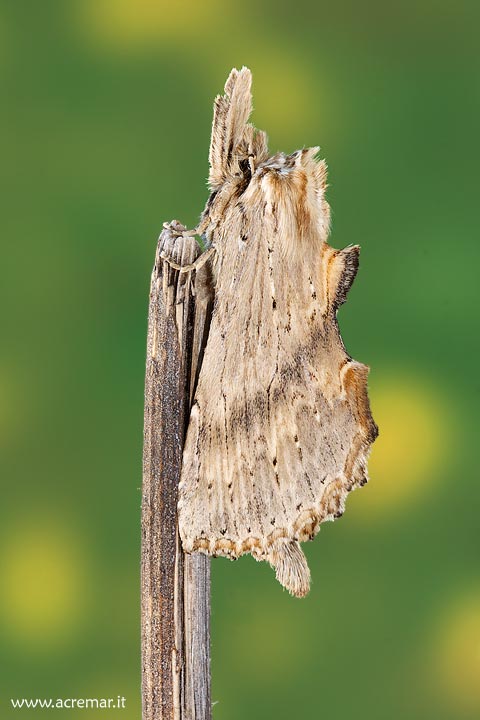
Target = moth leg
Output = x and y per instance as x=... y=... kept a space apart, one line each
x=291 y=568
x=181 y=231
x=193 y=266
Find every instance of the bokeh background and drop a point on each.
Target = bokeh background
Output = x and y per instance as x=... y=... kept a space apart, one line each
x=104 y=129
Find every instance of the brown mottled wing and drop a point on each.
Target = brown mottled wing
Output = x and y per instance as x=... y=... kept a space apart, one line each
x=280 y=425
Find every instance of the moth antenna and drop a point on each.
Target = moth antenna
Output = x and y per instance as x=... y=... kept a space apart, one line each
x=291 y=568
x=230 y=115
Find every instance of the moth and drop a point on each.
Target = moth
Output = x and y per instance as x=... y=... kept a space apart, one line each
x=280 y=425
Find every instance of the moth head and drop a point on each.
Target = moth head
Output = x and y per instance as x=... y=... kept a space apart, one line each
x=290 y=189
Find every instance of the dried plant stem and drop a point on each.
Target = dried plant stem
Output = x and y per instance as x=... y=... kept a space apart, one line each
x=175 y=587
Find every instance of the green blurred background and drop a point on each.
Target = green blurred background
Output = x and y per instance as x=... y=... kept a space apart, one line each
x=104 y=130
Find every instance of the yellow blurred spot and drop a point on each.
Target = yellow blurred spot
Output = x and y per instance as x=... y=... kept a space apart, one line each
x=42 y=578
x=457 y=655
x=411 y=447
x=127 y=24
x=285 y=94
x=286 y=89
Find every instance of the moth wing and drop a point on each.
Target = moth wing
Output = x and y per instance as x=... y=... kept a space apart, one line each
x=280 y=427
